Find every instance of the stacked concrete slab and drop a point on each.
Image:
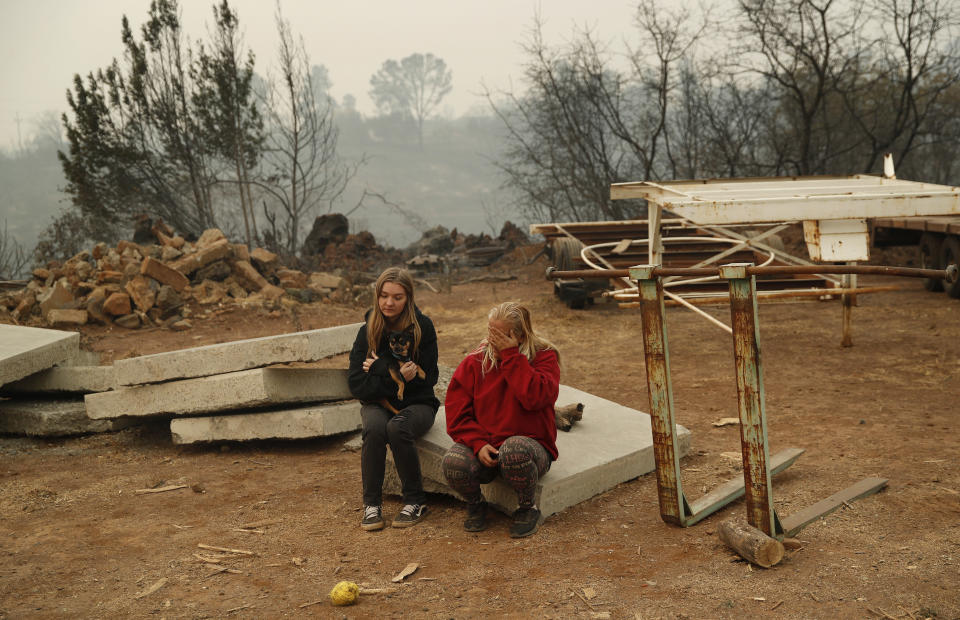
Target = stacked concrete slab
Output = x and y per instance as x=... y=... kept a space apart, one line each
x=236 y=396
x=46 y=399
x=612 y=444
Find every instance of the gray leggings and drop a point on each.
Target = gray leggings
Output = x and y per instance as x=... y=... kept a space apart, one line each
x=521 y=463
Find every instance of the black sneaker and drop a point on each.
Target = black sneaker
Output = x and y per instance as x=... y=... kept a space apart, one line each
x=411 y=514
x=372 y=518
x=476 y=520
x=526 y=522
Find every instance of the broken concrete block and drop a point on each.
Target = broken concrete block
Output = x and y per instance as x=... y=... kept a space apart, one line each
x=292 y=278
x=612 y=444
x=203 y=257
x=52 y=418
x=163 y=274
x=215 y=359
x=58 y=297
x=225 y=392
x=141 y=292
x=209 y=237
x=322 y=280
x=300 y=423
x=117 y=304
x=26 y=350
x=59 y=317
x=248 y=277
x=59 y=379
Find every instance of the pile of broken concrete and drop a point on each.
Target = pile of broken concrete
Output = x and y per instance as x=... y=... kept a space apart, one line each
x=134 y=285
x=232 y=391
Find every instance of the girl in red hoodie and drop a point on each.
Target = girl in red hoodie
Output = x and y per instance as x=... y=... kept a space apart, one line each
x=499 y=410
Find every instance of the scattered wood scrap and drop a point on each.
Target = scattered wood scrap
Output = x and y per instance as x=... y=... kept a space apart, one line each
x=406 y=572
x=258 y=524
x=156 y=586
x=225 y=549
x=172 y=487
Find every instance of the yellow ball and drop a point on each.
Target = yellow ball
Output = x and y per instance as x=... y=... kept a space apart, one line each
x=344 y=593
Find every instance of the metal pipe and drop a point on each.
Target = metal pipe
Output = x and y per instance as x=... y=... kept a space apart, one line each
x=949 y=274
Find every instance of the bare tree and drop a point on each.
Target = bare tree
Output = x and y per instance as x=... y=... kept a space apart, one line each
x=13 y=259
x=413 y=87
x=302 y=172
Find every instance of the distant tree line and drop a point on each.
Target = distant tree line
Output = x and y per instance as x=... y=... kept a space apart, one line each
x=193 y=134
x=783 y=87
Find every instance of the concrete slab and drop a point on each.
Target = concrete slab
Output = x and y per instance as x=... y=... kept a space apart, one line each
x=69 y=379
x=300 y=423
x=26 y=350
x=226 y=357
x=612 y=444
x=52 y=418
x=236 y=390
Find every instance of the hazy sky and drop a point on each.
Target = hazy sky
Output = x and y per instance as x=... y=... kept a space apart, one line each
x=43 y=43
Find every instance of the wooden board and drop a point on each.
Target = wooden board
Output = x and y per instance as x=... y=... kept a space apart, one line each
x=797 y=521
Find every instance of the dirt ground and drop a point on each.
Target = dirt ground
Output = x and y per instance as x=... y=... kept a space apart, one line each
x=75 y=539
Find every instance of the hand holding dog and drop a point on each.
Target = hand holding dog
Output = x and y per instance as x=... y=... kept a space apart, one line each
x=367 y=363
x=409 y=370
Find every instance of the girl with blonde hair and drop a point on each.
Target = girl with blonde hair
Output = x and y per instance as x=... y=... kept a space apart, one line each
x=395 y=388
x=499 y=410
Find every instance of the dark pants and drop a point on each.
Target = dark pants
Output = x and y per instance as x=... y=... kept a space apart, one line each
x=400 y=431
x=521 y=462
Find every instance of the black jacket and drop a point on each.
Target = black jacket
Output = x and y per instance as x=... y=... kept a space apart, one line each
x=376 y=384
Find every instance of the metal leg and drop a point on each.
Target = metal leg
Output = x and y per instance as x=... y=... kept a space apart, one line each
x=750 y=396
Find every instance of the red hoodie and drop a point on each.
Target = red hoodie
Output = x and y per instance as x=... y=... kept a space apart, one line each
x=514 y=398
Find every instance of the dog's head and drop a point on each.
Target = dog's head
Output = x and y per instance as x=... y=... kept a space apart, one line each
x=401 y=344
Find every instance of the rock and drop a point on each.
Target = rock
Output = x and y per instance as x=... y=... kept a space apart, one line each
x=130 y=249
x=209 y=292
x=181 y=325
x=109 y=276
x=41 y=274
x=25 y=306
x=272 y=292
x=143 y=229
x=219 y=271
x=241 y=251
x=95 y=302
x=321 y=280
x=117 y=304
x=141 y=293
x=129 y=321
x=99 y=251
x=169 y=253
x=168 y=301
x=209 y=237
x=63 y=318
x=330 y=228
x=203 y=257
x=265 y=261
x=83 y=269
x=58 y=297
x=248 y=277
x=160 y=228
x=131 y=269
x=292 y=278
x=163 y=274
x=234 y=289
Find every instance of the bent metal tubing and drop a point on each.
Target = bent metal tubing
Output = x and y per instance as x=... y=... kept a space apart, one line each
x=949 y=274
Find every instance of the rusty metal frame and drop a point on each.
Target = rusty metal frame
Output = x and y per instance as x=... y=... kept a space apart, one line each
x=758 y=466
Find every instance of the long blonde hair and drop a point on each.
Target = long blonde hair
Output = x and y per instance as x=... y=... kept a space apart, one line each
x=518 y=317
x=376 y=322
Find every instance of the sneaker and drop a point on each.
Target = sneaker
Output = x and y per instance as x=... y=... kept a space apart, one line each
x=476 y=520
x=411 y=514
x=372 y=518
x=526 y=522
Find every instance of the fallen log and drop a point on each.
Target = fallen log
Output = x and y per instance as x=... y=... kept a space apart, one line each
x=751 y=544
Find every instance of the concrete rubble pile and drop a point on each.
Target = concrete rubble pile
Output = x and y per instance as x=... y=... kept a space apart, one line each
x=136 y=284
x=232 y=391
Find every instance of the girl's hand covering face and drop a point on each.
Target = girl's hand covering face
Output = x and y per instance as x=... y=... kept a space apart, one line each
x=499 y=339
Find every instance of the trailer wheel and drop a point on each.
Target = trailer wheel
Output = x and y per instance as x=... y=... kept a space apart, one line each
x=950 y=255
x=565 y=253
x=929 y=248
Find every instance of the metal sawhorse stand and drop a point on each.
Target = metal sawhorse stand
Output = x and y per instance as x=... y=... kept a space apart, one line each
x=758 y=466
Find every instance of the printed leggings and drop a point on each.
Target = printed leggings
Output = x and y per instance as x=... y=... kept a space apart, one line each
x=521 y=463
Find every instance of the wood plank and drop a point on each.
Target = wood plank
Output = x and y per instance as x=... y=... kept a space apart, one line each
x=797 y=521
x=732 y=489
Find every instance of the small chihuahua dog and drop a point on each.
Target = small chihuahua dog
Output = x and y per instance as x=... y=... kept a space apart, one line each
x=401 y=345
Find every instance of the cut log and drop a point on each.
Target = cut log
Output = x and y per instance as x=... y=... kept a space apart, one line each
x=751 y=544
